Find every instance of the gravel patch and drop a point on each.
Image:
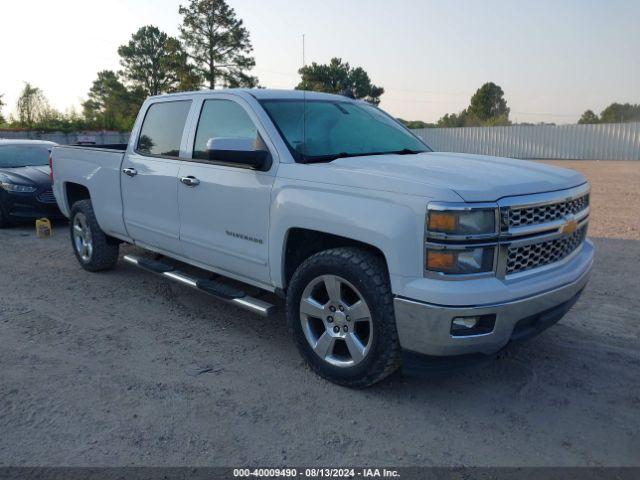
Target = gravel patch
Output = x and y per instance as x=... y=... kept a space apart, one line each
x=124 y=368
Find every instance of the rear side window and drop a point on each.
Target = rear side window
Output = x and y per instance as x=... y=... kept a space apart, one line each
x=221 y=119
x=161 y=132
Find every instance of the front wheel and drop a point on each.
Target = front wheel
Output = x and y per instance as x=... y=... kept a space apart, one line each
x=340 y=312
x=93 y=248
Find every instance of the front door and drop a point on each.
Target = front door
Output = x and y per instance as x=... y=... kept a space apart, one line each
x=149 y=178
x=224 y=212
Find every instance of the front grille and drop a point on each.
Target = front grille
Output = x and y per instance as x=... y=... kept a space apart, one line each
x=520 y=259
x=519 y=217
x=46 y=197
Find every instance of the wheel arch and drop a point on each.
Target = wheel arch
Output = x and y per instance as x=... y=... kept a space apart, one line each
x=302 y=243
x=74 y=192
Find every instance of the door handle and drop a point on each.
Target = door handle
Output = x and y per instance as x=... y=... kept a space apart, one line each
x=132 y=172
x=190 y=181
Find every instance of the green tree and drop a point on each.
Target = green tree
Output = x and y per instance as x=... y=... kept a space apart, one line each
x=2 y=104
x=38 y=115
x=488 y=106
x=414 y=124
x=339 y=77
x=588 y=117
x=32 y=106
x=620 y=113
x=153 y=61
x=55 y=121
x=217 y=43
x=188 y=79
x=110 y=105
x=453 y=120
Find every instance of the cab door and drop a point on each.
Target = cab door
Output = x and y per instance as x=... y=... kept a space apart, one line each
x=224 y=209
x=149 y=177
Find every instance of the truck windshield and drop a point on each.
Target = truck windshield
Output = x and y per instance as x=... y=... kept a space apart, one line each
x=12 y=156
x=338 y=129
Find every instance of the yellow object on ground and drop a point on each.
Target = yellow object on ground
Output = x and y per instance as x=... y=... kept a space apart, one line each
x=43 y=228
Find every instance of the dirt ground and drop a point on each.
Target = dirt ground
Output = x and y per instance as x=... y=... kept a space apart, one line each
x=124 y=368
x=615 y=196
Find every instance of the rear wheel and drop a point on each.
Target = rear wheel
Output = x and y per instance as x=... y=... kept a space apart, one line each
x=93 y=248
x=340 y=311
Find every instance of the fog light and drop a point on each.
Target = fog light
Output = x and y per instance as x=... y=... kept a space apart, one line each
x=475 y=325
x=465 y=322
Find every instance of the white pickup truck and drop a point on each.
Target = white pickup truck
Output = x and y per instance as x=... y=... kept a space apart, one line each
x=384 y=250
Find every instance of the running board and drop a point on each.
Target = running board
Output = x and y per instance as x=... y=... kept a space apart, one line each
x=218 y=290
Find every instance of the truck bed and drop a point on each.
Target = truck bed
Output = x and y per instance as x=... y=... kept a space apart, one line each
x=96 y=168
x=106 y=146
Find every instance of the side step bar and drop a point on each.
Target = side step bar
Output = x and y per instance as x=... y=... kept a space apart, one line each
x=218 y=290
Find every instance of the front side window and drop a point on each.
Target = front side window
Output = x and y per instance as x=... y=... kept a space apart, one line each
x=23 y=156
x=334 y=129
x=221 y=119
x=161 y=132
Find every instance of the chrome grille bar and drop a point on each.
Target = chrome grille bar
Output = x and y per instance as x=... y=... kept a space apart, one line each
x=46 y=197
x=519 y=217
x=528 y=257
x=536 y=229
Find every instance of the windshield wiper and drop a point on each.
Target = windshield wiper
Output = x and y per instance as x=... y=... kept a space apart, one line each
x=335 y=156
x=332 y=157
x=406 y=151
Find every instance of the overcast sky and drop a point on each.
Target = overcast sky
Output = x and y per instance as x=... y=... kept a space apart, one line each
x=553 y=58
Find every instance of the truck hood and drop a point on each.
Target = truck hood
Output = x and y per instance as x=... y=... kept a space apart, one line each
x=475 y=178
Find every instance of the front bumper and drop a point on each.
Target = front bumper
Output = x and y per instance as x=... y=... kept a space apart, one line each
x=28 y=205
x=425 y=328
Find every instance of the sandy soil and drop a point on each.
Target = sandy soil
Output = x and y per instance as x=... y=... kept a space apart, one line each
x=124 y=368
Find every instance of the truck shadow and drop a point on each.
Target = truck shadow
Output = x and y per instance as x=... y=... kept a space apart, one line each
x=583 y=351
x=587 y=362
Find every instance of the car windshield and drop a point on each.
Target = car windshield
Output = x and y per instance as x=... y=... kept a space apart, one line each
x=23 y=155
x=337 y=129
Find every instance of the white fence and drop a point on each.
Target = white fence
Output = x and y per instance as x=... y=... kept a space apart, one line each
x=612 y=141
x=97 y=138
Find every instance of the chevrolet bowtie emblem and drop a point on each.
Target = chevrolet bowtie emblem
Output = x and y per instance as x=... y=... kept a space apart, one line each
x=569 y=227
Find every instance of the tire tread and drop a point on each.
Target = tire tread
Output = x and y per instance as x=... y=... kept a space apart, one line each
x=105 y=250
x=371 y=265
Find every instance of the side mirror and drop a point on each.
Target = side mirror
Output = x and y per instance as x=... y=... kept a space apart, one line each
x=238 y=151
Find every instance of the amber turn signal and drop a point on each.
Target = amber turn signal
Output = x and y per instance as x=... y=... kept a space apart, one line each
x=440 y=261
x=442 y=222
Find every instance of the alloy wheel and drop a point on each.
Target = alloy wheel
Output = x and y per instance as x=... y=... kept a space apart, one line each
x=82 y=237
x=336 y=321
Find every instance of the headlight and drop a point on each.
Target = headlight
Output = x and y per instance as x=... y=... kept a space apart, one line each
x=461 y=239
x=462 y=222
x=6 y=184
x=460 y=261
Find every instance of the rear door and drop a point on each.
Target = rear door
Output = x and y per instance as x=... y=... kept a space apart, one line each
x=225 y=217
x=149 y=177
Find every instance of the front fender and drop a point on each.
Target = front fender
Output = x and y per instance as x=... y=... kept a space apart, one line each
x=377 y=219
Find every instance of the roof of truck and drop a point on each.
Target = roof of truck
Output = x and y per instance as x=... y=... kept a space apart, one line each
x=266 y=93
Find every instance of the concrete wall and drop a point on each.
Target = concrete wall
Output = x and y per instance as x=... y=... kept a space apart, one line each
x=97 y=138
x=613 y=141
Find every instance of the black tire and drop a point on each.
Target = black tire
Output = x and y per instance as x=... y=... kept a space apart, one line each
x=104 y=254
x=367 y=272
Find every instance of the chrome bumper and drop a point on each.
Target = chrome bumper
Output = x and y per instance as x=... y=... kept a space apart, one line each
x=426 y=328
